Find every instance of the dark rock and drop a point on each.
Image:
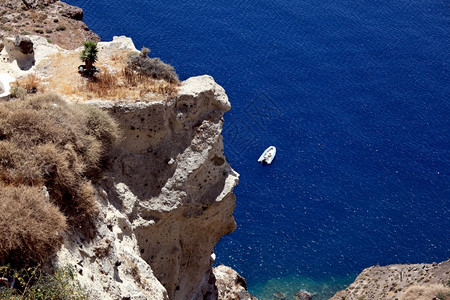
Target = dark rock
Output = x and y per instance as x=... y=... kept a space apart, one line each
x=31 y=3
x=279 y=296
x=241 y=281
x=218 y=161
x=303 y=295
x=37 y=3
x=72 y=12
x=24 y=44
x=33 y=90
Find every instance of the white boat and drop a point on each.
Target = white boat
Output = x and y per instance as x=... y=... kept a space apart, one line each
x=268 y=155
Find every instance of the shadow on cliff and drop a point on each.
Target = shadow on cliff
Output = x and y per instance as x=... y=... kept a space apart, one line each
x=147 y=172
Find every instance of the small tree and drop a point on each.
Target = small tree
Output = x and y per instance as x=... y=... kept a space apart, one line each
x=89 y=54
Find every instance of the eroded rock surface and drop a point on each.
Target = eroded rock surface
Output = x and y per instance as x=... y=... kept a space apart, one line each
x=403 y=282
x=20 y=50
x=166 y=201
x=230 y=284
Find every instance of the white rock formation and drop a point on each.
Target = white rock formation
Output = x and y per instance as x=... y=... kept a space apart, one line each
x=16 y=63
x=5 y=80
x=166 y=201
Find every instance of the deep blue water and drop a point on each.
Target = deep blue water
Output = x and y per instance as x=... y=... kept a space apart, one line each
x=354 y=94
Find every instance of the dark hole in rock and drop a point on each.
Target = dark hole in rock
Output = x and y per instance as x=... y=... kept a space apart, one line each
x=218 y=161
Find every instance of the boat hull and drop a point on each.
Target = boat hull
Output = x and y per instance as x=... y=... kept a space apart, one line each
x=268 y=155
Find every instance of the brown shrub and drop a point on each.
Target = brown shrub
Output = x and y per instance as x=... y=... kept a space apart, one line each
x=26 y=85
x=45 y=141
x=131 y=77
x=31 y=227
x=30 y=83
x=151 y=67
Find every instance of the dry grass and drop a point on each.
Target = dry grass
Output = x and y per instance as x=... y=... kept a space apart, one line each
x=30 y=83
x=31 y=226
x=114 y=82
x=432 y=291
x=45 y=141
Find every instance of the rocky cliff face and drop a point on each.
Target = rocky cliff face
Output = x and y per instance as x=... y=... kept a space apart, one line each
x=230 y=284
x=403 y=282
x=166 y=201
x=58 y=22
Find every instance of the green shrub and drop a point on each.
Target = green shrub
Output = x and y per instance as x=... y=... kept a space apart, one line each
x=34 y=284
x=89 y=54
x=60 y=28
x=151 y=67
x=49 y=31
x=442 y=296
x=45 y=141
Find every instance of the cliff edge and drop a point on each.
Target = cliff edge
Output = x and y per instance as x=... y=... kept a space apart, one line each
x=165 y=203
x=166 y=197
x=402 y=282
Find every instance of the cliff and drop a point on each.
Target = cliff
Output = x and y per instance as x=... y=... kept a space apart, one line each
x=166 y=197
x=56 y=21
x=166 y=201
x=403 y=282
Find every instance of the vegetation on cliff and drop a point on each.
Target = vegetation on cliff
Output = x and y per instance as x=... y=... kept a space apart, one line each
x=89 y=54
x=33 y=283
x=49 y=153
x=145 y=66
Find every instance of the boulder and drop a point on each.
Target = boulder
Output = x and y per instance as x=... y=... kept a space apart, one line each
x=72 y=12
x=230 y=284
x=303 y=295
x=279 y=296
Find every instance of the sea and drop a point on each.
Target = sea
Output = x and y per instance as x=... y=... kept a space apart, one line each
x=355 y=95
